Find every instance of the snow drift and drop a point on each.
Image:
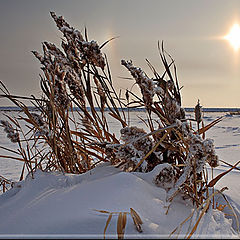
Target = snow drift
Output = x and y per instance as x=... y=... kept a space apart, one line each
x=58 y=205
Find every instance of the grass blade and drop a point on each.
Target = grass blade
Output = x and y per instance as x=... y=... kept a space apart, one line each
x=124 y=221
x=216 y=179
x=233 y=211
x=120 y=226
x=200 y=217
x=101 y=211
x=136 y=220
x=204 y=129
x=107 y=223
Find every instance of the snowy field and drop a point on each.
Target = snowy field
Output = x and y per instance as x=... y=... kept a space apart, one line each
x=54 y=205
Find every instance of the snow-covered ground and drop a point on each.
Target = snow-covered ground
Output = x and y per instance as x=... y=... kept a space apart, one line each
x=62 y=206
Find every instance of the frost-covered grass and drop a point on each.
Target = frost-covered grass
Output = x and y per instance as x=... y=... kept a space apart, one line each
x=74 y=160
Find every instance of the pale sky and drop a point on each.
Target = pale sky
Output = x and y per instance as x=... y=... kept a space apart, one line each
x=208 y=67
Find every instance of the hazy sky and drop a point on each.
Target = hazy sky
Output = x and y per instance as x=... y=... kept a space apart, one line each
x=208 y=67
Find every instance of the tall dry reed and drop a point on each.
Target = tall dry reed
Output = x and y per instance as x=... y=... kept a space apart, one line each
x=70 y=132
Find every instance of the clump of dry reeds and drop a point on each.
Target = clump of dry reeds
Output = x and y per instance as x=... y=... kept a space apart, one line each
x=70 y=132
x=77 y=75
x=122 y=221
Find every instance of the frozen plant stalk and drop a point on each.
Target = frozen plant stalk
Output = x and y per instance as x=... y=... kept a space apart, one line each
x=198 y=113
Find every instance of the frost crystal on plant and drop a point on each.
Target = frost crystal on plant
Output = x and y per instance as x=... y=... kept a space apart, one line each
x=84 y=50
x=146 y=84
x=136 y=147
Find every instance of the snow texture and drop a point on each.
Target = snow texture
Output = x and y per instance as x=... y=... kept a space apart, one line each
x=62 y=206
x=58 y=205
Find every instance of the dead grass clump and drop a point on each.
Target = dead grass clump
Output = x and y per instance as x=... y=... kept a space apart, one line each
x=70 y=131
x=78 y=75
x=122 y=221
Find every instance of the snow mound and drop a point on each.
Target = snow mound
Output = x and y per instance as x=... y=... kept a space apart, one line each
x=58 y=205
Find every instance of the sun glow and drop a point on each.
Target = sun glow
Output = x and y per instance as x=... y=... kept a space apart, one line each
x=234 y=37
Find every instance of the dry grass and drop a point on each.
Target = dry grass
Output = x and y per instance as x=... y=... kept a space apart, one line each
x=78 y=76
x=122 y=221
x=5 y=184
x=62 y=138
x=200 y=211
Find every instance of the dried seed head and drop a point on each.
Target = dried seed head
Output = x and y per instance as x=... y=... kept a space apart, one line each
x=172 y=108
x=146 y=84
x=198 y=112
x=75 y=86
x=38 y=119
x=130 y=154
x=100 y=91
x=12 y=134
x=42 y=129
x=83 y=50
x=200 y=153
x=7 y=126
x=90 y=52
x=212 y=158
x=68 y=31
x=13 y=137
x=60 y=94
x=127 y=155
x=99 y=87
x=129 y=133
x=38 y=56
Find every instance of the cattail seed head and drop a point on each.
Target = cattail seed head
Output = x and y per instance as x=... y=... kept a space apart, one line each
x=146 y=84
x=12 y=134
x=198 y=112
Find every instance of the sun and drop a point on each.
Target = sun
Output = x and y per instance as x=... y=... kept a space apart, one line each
x=234 y=37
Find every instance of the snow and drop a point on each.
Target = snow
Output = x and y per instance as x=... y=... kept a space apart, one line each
x=54 y=205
